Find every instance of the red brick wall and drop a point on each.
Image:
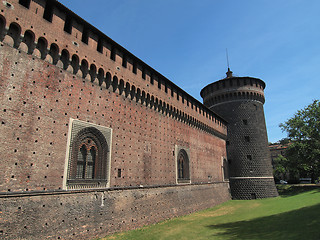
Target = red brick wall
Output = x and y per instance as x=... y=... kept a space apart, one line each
x=38 y=98
x=76 y=215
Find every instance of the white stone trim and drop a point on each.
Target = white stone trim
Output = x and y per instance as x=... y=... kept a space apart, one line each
x=267 y=177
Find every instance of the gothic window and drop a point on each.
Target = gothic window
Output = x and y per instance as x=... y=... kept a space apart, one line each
x=86 y=160
x=89 y=156
x=183 y=167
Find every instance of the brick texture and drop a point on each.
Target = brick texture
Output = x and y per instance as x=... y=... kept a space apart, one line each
x=89 y=215
x=240 y=101
x=49 y=76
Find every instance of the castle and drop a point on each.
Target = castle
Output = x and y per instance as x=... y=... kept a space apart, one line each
x=93 y=140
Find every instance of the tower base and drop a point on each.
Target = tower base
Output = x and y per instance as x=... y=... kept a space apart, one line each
x=252 y=188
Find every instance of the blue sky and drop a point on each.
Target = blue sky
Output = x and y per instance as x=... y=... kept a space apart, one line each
x=277 y=41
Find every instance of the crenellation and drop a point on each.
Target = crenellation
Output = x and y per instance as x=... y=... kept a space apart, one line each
x=250 y=169
x=54 y=85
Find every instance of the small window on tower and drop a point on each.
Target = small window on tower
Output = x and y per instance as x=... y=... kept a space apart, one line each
x=245 y=122
x=253 y=196
x=247 y=138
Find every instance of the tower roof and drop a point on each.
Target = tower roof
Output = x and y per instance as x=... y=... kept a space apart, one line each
x=225 y=83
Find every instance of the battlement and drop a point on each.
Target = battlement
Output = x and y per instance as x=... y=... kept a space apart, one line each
x=50 y=31
x=240 y=101
x=94 y=140
x=233 y=89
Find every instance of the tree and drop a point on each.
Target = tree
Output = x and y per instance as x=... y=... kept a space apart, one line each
x=280 y=167
x=303 y=130
x=284 y=141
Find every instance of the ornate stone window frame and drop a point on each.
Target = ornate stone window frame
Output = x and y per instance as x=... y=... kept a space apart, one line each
x=87 y=135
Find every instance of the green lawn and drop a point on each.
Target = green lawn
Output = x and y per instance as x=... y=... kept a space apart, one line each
x=293 y=215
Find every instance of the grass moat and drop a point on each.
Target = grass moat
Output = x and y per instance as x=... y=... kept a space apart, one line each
x=295 y=214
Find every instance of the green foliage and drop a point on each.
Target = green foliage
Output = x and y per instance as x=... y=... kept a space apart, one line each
x=304 y=132
x=292 y=216
x=305 y=124
x=281 y=167
x=284 y=141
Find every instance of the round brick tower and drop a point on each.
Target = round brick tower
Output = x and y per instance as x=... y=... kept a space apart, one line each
x=239 y=100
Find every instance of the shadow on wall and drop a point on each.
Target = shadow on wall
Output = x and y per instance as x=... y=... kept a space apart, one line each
x=299 y=224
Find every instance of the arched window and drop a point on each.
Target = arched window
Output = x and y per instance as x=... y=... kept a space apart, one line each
x=183 y=167
x=86 y=160
x=89 y=154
